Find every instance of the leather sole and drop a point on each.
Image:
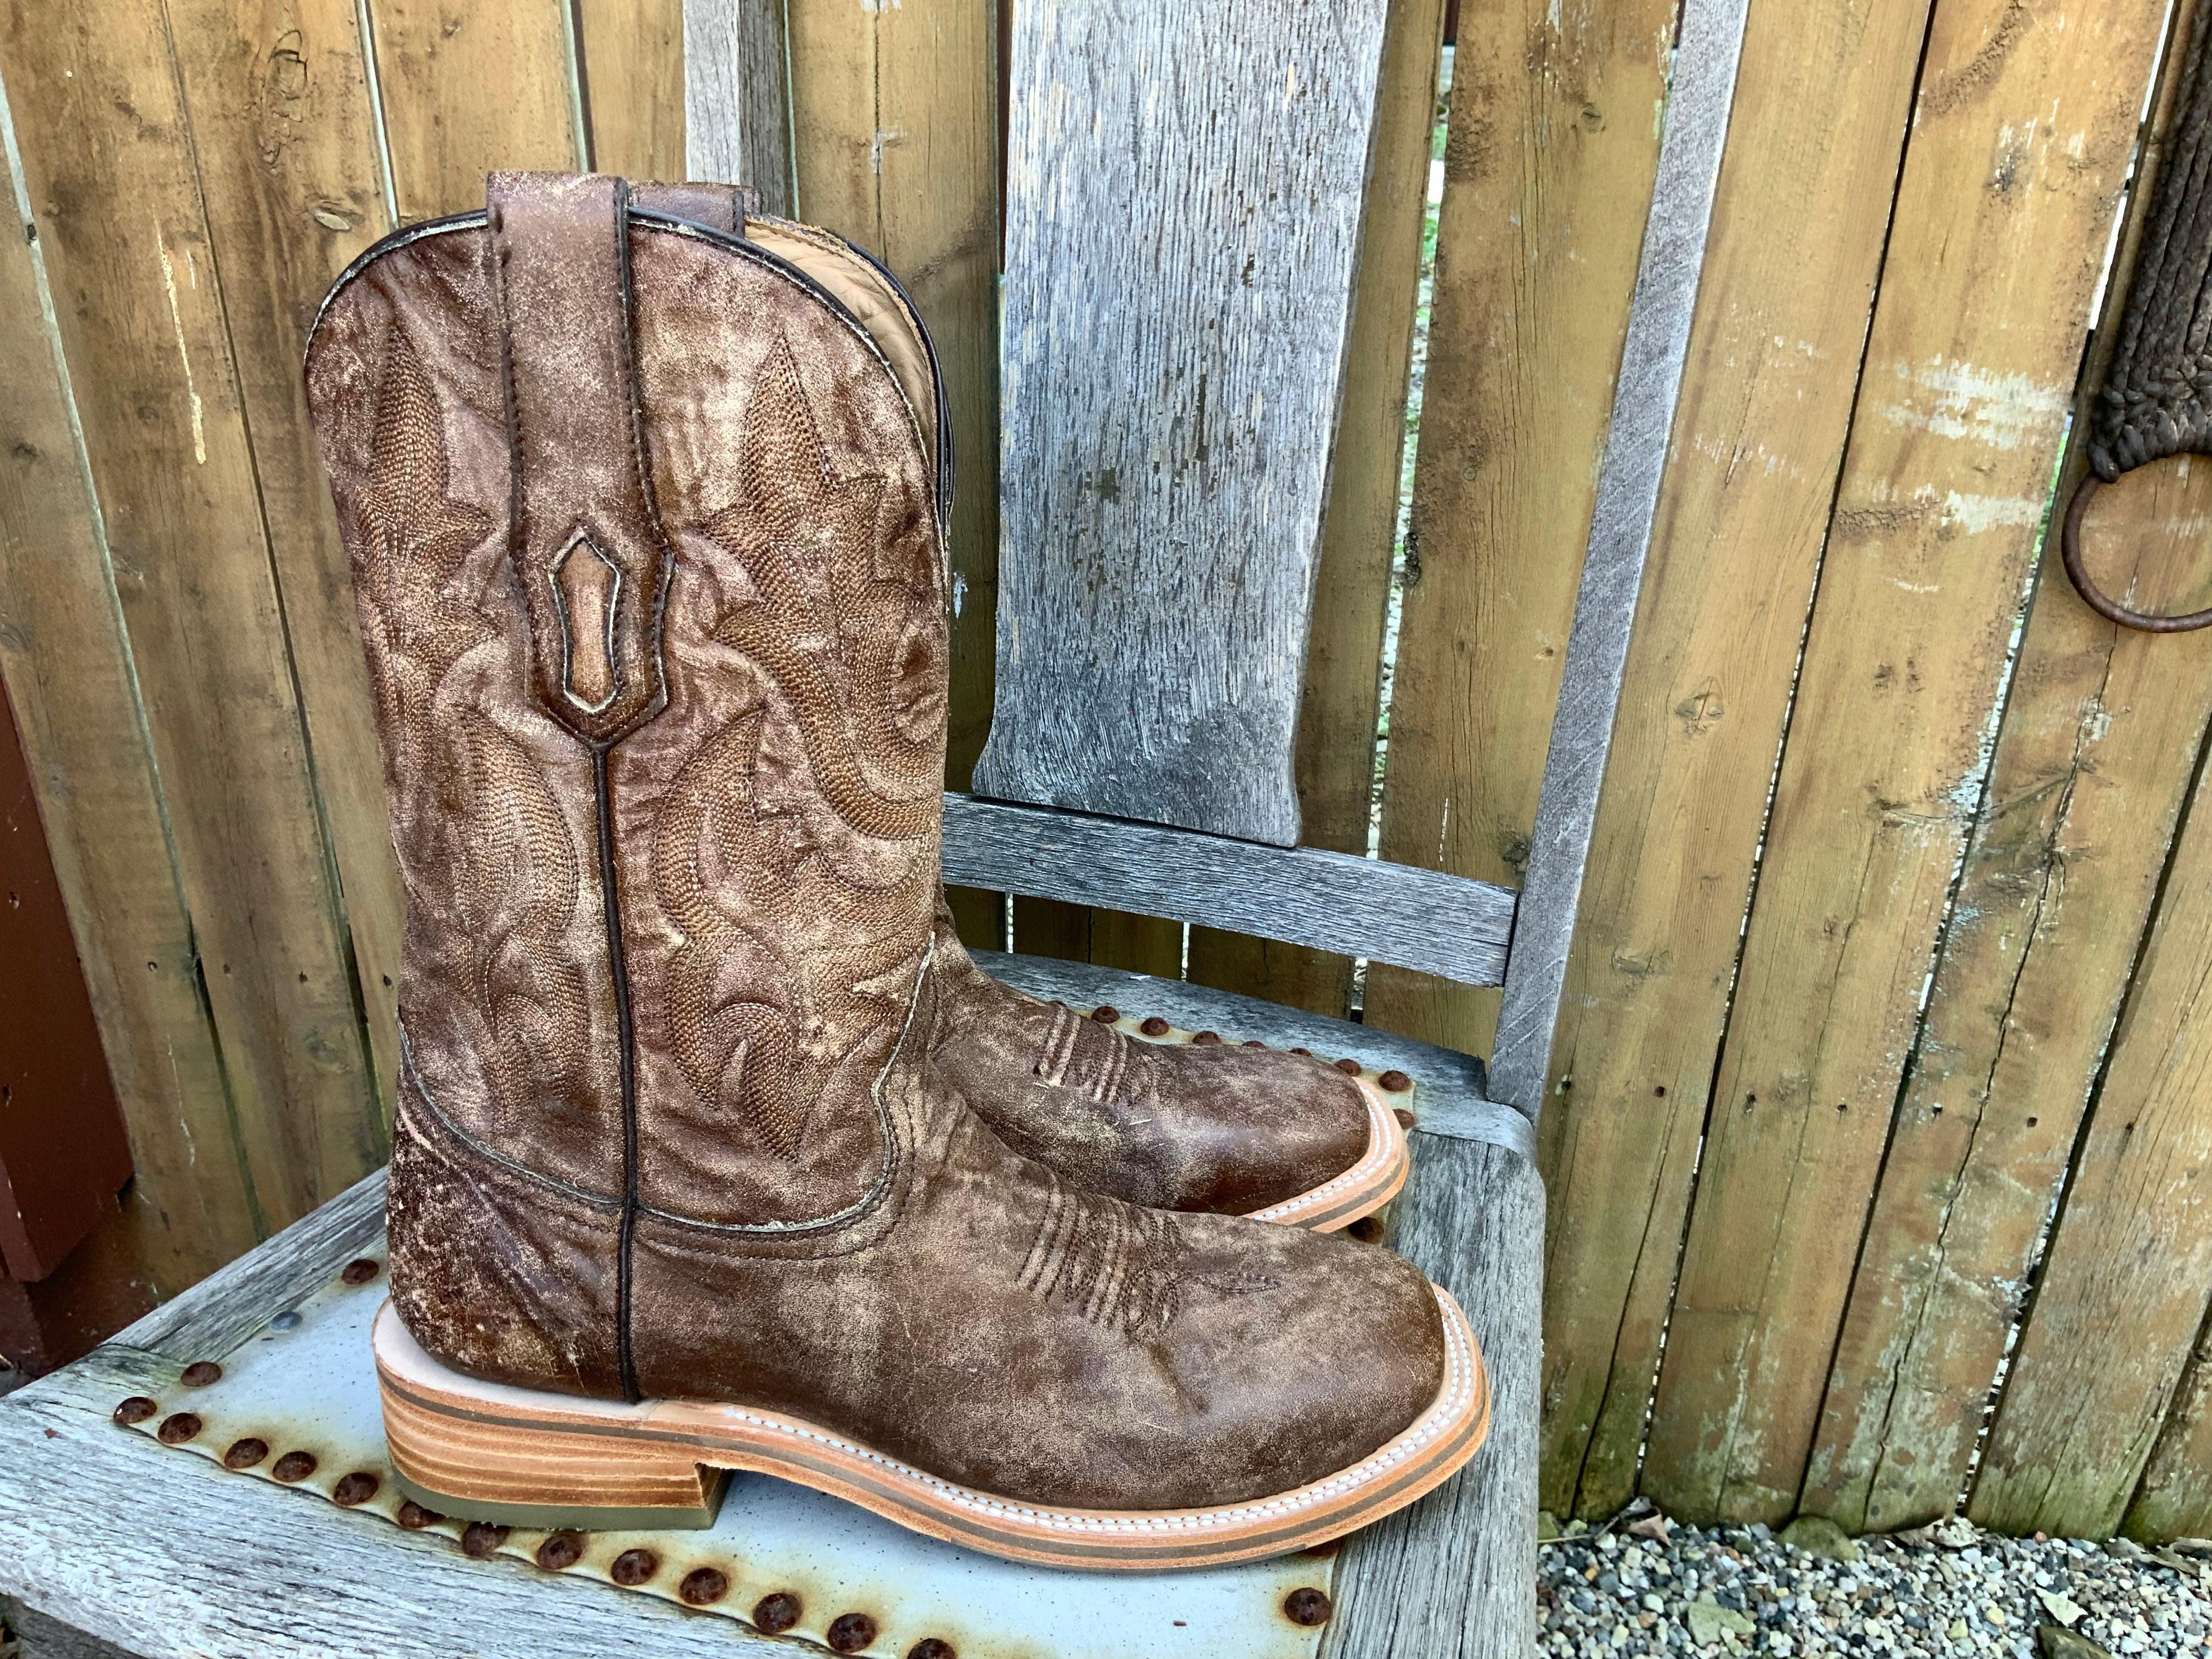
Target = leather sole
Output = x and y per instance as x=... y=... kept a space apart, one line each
x=488 y=1451
x=1360 y=1190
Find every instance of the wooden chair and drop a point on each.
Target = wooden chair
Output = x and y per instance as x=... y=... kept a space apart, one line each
x=1182 y=208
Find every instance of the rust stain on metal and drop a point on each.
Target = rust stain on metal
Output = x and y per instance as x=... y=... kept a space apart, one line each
x=483 y=1538
x=1395 y=1081
x=1367 y=1230
x=933 y=1647
x=634 y=1567
x=413 y=1516
x=360 y=1271
x=354 y=1489
x=177 y=1428
x=201 y=1373
x=1348 y=1066
x=293 y=1467
x=1105 y=1013
x=1208 y=1037
x=1154 y=1026
x=703 y=1586
x=776 y=1613
x=849 y=1633
x=1405 y=1118
x=560 y=1550
x=1306 y=1606
x=136 y=1409
x=245 y=1454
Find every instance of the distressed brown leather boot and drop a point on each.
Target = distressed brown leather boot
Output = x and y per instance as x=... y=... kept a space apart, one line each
x=649 y=565
x=1117 y=1103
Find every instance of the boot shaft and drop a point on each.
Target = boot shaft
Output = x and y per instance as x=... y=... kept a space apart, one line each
x=649 y=570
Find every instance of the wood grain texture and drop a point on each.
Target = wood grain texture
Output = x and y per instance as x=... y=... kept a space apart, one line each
x=1549 y=165
x=2174 y=1498
x=114 y=1536
x=69 y=674
x=127 y=248
x=736 y=106
x=632 y=68
x=1335 y=755
x=1699 y=98
x=2093 y=762
x=1791 y=262
x=1995 y=249
x=1448 y=1098
x=285 y=137
x=1454 y=1574
x=1183 y=198
x=438 y=64
x=2122 y=1293
x=1436 y=923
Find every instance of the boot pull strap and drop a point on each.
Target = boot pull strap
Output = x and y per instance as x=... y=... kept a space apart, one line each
x=586 y=545
x=719 y=207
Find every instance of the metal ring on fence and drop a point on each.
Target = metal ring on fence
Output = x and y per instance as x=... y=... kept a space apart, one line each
x=2069 y=548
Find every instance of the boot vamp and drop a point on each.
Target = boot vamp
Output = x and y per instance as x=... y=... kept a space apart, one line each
x=1006 y=1330
x=1215 y=1128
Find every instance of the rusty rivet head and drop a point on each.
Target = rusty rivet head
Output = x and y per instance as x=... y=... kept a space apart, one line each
x=359 y=1270
x=1348 y=1066
x=483 y=1538
x=1368 y=1229
x=1306 y=1606
x=294 y=1466
x=932 y=1647
x=704 y=1586
x=634 y=1567
x=775 y=1613
x=200 y=1373
x=1105 y=1013
x=245 y=1454
x=851 y=1631
x=356 y=1488
x=1154 y=1026
x=1205 y=1036
x=1253 y=1043
x=560 y=1551
x=136 y=1409
x=1308 y=1053
x=178 y=1428
x=415 y=1517
x=1396 y=1082
x=1405 y=1118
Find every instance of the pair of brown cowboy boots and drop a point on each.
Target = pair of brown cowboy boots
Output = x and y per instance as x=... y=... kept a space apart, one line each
x=714 y=1150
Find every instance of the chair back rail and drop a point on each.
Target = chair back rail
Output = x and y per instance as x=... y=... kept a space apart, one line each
x=1424 y=920
x=1183 y=192
x=1646 y=392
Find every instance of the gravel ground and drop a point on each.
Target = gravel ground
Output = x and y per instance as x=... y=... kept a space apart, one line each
x=1638 y=1585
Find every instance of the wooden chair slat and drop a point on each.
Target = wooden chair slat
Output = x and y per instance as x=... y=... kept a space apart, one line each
x=1184 y=186
x=1425 y=919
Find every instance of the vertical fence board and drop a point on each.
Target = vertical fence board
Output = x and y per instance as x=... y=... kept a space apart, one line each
x=895 y=112
x=1554 y=141
x=2123 y=1291
x=2174 y=1499
x=2025 y=127
x=112 y=181
x=1795 y=247
x=2094 y=761
x=468 y=88
x=277 y=94
x=1335 y=753
x=631 y=54
x=70 y=677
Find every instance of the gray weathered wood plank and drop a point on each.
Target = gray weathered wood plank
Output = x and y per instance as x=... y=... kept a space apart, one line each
x=1456 y=1574
x=737 y=97
x=1425 y=919
x=1183 y=201
x=171 y=1557
x=217 y=1314
x=1699 y=102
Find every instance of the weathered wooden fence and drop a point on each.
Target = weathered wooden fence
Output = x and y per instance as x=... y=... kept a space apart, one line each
x=1883 y=1101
